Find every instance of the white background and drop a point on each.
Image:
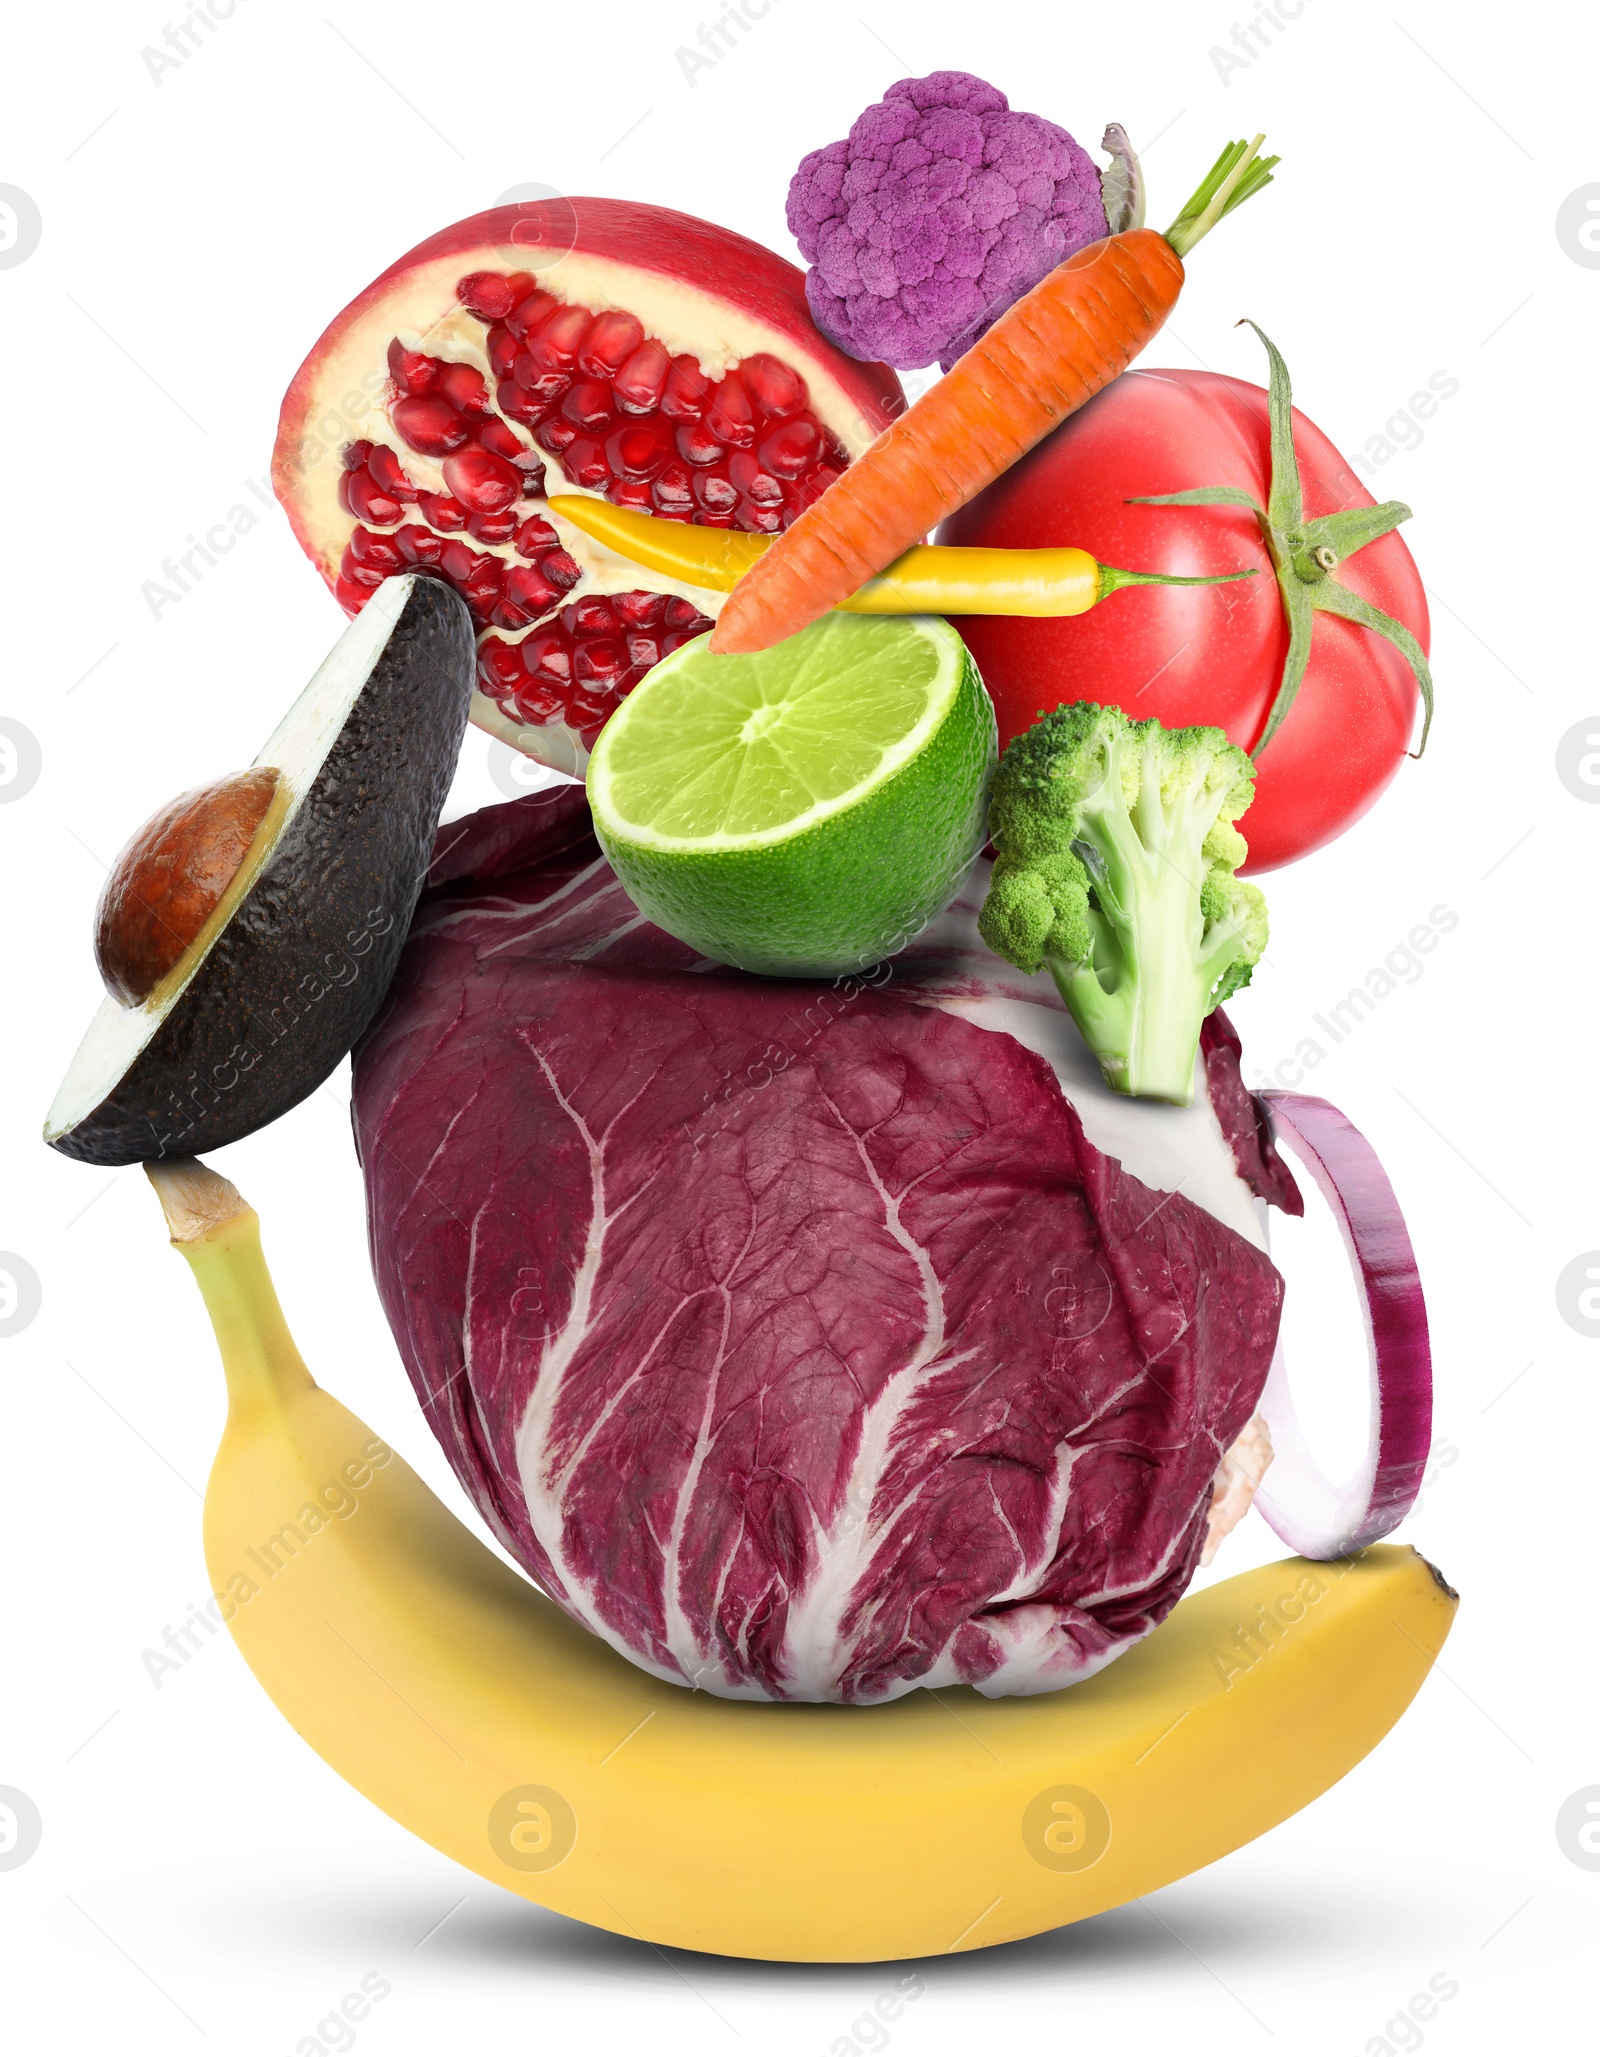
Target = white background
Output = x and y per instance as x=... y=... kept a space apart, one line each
x=203 y=1879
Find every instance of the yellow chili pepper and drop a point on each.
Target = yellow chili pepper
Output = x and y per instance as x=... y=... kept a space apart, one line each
x=932 y=579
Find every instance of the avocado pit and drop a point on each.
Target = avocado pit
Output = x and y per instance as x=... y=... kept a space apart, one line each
x=171 y=876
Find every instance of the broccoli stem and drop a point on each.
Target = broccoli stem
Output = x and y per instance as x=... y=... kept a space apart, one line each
x=1141 y=1014
x=1139 y=1002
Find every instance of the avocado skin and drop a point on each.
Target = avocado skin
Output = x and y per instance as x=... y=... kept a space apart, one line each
x=309 y=952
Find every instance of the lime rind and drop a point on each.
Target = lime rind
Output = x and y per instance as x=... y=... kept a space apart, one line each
x=735 y=753
x=850 y=886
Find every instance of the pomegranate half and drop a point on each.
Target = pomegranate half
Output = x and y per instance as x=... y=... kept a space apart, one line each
x=566 y=346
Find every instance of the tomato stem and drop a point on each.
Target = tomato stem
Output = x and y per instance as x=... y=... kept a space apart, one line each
x=1305 y=555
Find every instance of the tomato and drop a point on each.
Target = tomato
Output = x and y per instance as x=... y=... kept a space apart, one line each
x=1203 y=654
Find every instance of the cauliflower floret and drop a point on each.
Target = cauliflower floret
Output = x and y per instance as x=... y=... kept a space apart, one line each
x=940 y=209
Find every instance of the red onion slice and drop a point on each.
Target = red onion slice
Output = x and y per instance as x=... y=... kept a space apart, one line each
x=1313 y=1516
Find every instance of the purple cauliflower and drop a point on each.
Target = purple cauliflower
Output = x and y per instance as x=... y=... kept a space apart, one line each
x=940 y=209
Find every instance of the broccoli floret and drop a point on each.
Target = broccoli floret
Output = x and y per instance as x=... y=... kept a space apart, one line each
x=1116 y=851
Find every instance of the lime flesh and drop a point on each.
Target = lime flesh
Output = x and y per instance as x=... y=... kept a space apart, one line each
x=806 y=810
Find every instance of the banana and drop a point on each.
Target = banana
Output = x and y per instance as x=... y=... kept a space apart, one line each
x=472 y=1710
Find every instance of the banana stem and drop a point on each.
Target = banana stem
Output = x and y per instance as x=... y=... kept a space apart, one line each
x=194 y=1198
x=220 y=1237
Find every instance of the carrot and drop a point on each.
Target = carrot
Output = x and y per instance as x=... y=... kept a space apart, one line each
x=1044 y=357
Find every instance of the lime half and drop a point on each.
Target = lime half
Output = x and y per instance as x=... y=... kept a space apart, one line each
x=804 y=811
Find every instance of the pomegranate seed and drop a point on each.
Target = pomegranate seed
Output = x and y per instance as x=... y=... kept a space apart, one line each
x=756 y=484
x=730 y=417
x=717 y=521
x=796 y=500
x=696 y=445
x=640 y=449
x=366 y=503
x=683 y=614
x=638 y=385
x=486 y=580
x=588 y=405
x=383 y=468
x=591 y=617
x=676 y=639
x=758 y=520
x=487 y=294
x=528 y=587
x=609 y=344
x=382 y=553
x=715 y=492
x=643 y=651
x=537 y=705
x=561 y=570
x=683 y=398
x=351 y=598
x=594 y=699
x=462 y=385
x=514 y=402
x=536 y=535
x=629 y=493
x=555 y=345
x=531 y=466
x=342 y=492
x=356 y=455
x=772 y=385
x=508 y=615
x=530 y=311
x=671 y=491
x=482 y=482
x=521 y=406
x=456 y=562
x=440 y=512
x=545 y=391
x=591 y=705
x=554 y=436
x=495 y=435
x=500 y=666
x=790 y=448
x=584 y=462
x=638 y=610
x=502 y=350
x=547 y=655
x=417 y=546
x=411 y=371
x=430 y=425
x=358 y=574
x=492 y=528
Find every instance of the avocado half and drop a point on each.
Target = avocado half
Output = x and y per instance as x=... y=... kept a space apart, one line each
x=296 y=957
